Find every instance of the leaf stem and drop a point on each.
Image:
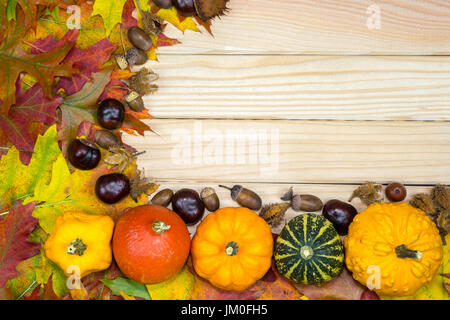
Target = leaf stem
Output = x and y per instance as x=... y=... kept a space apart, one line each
x=27 y=289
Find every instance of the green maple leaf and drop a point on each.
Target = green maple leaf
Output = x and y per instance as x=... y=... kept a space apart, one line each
x=110 y=11
x=19 y=180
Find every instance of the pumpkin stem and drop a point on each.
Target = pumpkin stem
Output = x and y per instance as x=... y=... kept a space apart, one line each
x=160 y=227
x=403 y=252
x=76 y=247
x=232 y=248
x=306 y=252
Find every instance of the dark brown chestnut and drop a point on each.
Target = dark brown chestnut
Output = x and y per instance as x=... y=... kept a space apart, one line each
x=113 y=187
x=210 y=199
x=83 y=154
x=340 y=214
x=110 y=114
x=245 y=197
x=395 y=192
x=163 y=197
x=136 y=56
x=188 y=205
x=139 y=38
x=163 y=4
x=185 y=7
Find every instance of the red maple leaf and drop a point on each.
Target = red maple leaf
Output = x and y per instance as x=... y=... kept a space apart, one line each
x=26 y=117
x=14 y=245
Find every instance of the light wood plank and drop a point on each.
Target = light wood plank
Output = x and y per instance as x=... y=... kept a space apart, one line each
x=271 y=193
x=296 y=151
x=299 y=87
x=419 y=27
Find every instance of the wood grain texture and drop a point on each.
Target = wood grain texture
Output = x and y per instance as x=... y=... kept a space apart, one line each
x=418 y=27
x=294 y=151
x=302 y=87
x=271 y=193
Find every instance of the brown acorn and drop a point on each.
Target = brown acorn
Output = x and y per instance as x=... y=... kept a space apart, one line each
x=106 y=139
x=134 y=101
x=210 y=199
x=136 y=56
x=245 y=197
x=303 y=202
x=208 y=9
x=163 y=197
x=139 y=38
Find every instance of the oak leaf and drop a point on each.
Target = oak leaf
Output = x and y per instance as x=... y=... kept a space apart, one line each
x=110 y=11
x=14 y=60
x=179 y=287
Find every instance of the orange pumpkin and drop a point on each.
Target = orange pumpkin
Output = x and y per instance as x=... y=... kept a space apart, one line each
x=232 y=248
x=150 y=243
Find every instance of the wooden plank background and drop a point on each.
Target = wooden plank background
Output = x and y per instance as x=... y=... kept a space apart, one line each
x=313 y=94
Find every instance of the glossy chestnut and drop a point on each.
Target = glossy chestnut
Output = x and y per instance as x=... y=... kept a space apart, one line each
x=188 y=205
x=340 y=214
x=83 y=154
x=184 y=7
x=113 y=187
x=110 y=114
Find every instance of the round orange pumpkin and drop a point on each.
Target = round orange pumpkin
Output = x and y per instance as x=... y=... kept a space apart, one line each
x=150 y=243
x=232 y=248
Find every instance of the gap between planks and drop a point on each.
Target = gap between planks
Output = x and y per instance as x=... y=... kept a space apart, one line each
x=302 y=87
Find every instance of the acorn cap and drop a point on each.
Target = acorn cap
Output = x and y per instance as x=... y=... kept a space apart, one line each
x=208 y=9
x=121 y=61
x=206 y=192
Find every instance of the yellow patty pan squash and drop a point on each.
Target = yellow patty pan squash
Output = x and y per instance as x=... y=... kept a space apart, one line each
x=81 y=240
x=232 y=248
x=393 y=248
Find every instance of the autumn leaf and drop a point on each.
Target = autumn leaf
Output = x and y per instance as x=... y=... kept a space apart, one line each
x=344 y=287
x=273 y=286
x=127 y=286
x=19 y=180
x=14 y=244
x=179 y=287
x=14 y=60
x=74 y=192
x=80 y=106
x=31 y=107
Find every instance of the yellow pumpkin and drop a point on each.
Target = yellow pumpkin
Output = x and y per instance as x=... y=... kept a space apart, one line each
x=393 y=248
x=232 y=248
x=81 y=242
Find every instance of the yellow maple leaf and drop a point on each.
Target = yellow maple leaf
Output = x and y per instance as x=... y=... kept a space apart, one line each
x=179 y=287
x=110 y=11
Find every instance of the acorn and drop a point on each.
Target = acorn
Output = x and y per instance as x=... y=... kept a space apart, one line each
x=303 y=202
x=136 y=56
x=245 y=197
x=139 y=38
x=163 y=197
x=134 y=101
x=210 y=199
x=106 y=139
x=121 y=61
